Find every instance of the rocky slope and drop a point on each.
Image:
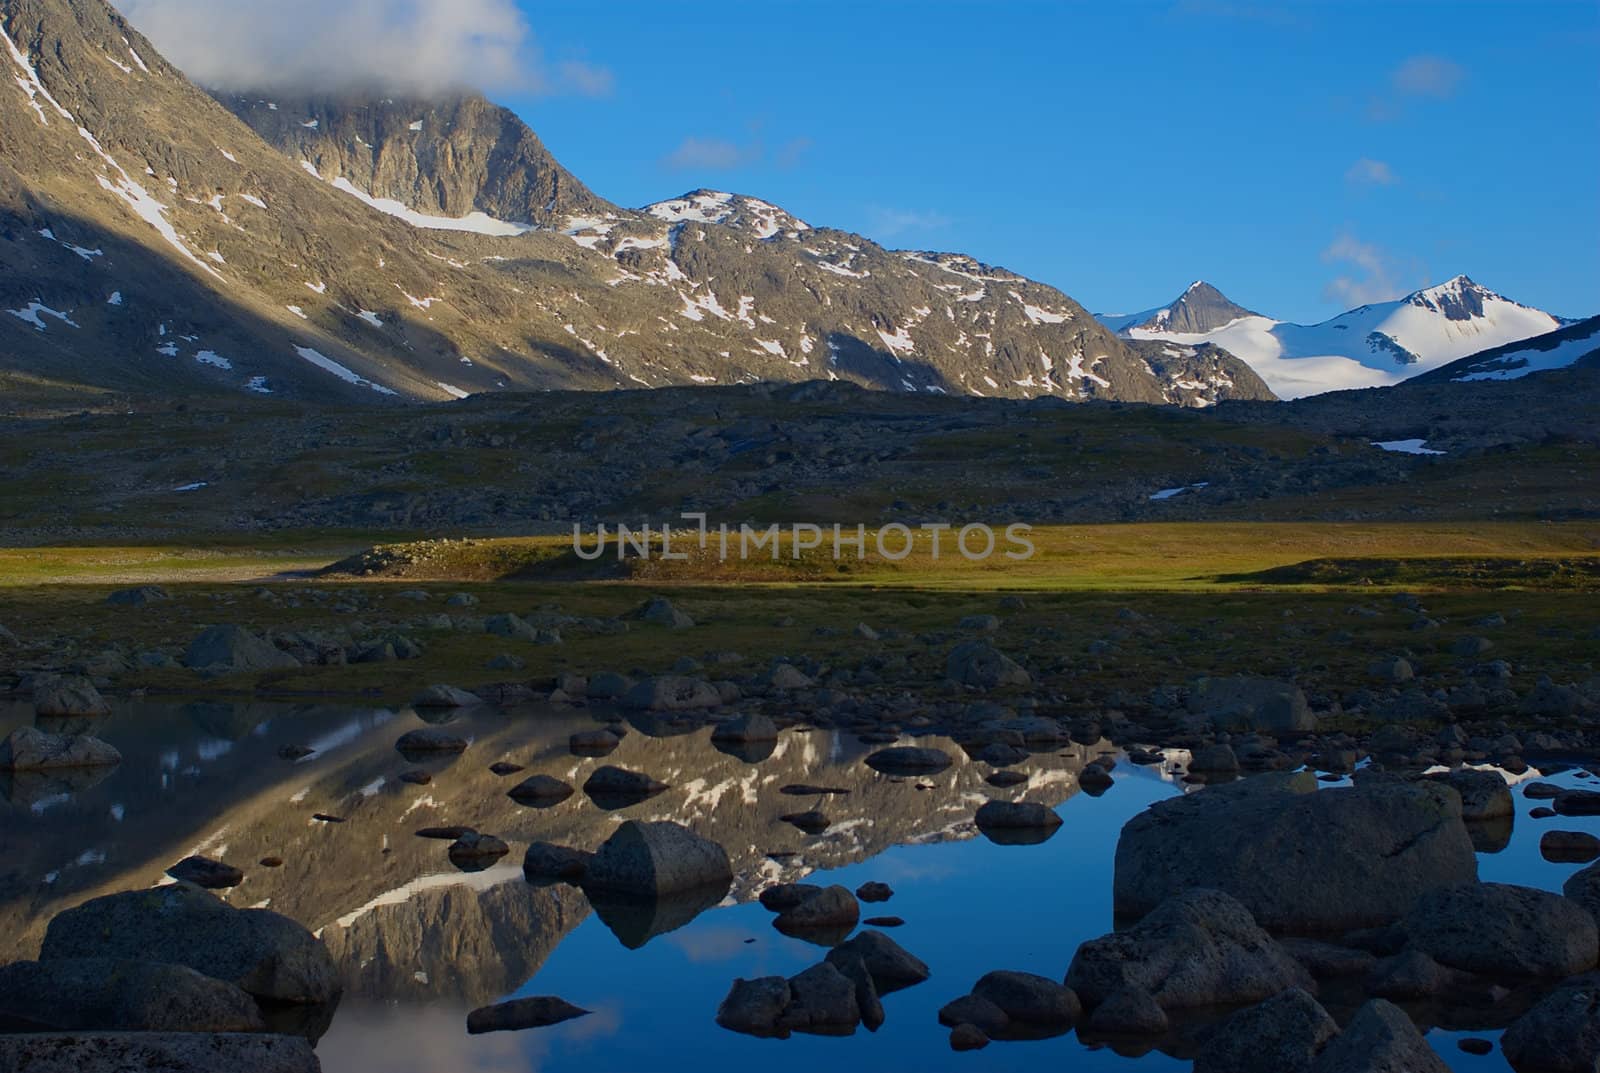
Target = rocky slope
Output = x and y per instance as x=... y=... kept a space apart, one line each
x=1201 y=308
x=152 y=243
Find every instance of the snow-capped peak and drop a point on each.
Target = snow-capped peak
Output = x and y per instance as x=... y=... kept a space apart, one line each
x=732 y=210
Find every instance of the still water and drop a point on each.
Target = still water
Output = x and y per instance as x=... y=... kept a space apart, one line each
x=420 y=943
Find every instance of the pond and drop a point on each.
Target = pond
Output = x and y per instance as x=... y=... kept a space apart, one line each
x=420 y=943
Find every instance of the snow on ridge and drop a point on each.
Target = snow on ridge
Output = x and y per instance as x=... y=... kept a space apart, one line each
x=1406 y=447
x=35 y=312
x=477 y=223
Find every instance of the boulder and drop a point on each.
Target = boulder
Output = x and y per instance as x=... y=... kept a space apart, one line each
x=873 y=891
x=652 y=859
x=1029 y=999
x=207 y=873
x=31 y=749
x=234 y=648
x=1198 y=948
x=1024 y=815
x=978 y=1011
x=1281 y=1035
x=262 y=952
x=539 y=1011
x=1300 y=859
x=671 y=693
x=1215 y=759
x=68 y=695
x=596 y=742
x=870 y=1006
x=1561 y=1034
x=831 y=907
x=616 y=785
x=965 y=1037
x=1569 y=847
x=112 y=995
x=443 y=696
x=786 y=676
x=607 y=685
x=1380 y=1038
x=981 y=665
x=169 y=1052
x=754 y=1006
x=544 y=860
x=1484 y=794
x=752 y=727
x=1129 y=1011
x=785 y=896
x=1252 y=704
x=891 y=967
x=138 y=597
x=475 y=851
x=1504 y=931
x=429 y=741
x=1577 y=803
x=540 y=791
x=1410 y=974
x=822 y=1000
x=909 y=760
x=1583 y=887
x=659 y=610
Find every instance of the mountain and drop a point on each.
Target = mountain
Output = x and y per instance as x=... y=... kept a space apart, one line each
x=1201 y=308
x=1372 y=346
x=153 y=242
x=1576 y=343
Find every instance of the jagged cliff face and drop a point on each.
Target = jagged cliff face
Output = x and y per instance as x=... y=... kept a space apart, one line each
x=449 y=157
x=393 y=249
x=1201 y=375
x=398 y=918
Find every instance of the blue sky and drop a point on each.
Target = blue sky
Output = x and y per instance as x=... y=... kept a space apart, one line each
x=1304 y=157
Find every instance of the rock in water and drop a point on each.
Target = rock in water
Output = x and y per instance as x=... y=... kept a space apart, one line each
x=822 y=1000
x=1281 y=1035
x=1379 y=1039
x=31 y=749
x=1198 y=948
x=546 y=861
x=207 y=873
x=1300 y=859
x=540 y=791
x=785 y=896
x=264 y=953
x=70 y=695
x=1504 y=931
x=1252 y=704
x=169 y=1052
x=110 y=995
x=1027 y=815
x=745 y=729
x=1561 y=1034
x=443 y=696
x=891 y=967
x=909 y=760
x=611 y=786
x=671 y=693
x=830 y=907
x=653 y=859
x=429 y=741
x=537 y=1012
x=1484 y=794
x=754 y=1006
x=1029 y=999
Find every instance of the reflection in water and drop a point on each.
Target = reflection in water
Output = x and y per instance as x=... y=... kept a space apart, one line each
x=420 y=943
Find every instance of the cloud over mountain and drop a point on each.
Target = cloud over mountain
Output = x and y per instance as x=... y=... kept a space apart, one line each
x=419 y=46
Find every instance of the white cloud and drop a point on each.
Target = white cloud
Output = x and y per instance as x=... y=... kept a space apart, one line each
x=1427 y=76
x=724 y=154
x=1369 y=172
x=1374 y=278
x=420 y=46
x=890 y=223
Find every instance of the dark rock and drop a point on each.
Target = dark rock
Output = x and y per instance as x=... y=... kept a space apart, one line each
x=262 y=952
x=615 y=787
x=1484 y=794
x=545 y=860
x=169 y=1052
x=659 y=610
x=505 y=767
x=892 y=968
x=812 y=822
x=975 y=1010
x=31 y=749
x=68 y=696
x=1569 y=847
x=444 y=834
x=1500 y=930
x=831 y=907
x=1379 y=1039
x=138 y=597
x=1577 y=803
x=1029 y=999
x=671 y=694
x=473 y=851
x=1252 y=704
x=1561 y=1034
x=981 y=665
x=884 y=922
x=965 y=1037
x=1198 y=948
x=1583 y=887
x=867 y=1001
x=822 y=1000
x=443 y=696
x=874 y=892
x=909 y=760
x=1325 y=960
x=1410 y=975
x=537 y=1012
x=1300 y=859
x=1016 y=814
x=754 y=1006
x=429 y=741
x=745 y=729
x=657 y=859
x=1281 y=1035
x=540 y=791
x=207 y=873
x=234 y=649
x=1003 y=779
x=106 y=995
x=597 y=742
x=785 y=896
x=1129 y=1011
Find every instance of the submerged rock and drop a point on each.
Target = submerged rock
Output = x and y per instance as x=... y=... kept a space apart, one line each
x=1029 y=999
x=539 y=1011
x=31 y=749
x=909 y=760
x=540 y=791
x=207 y=873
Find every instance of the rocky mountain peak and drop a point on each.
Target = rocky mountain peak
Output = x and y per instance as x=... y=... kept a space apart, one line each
x=732 y=210
x=1201 y=308
x=1458 y=298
